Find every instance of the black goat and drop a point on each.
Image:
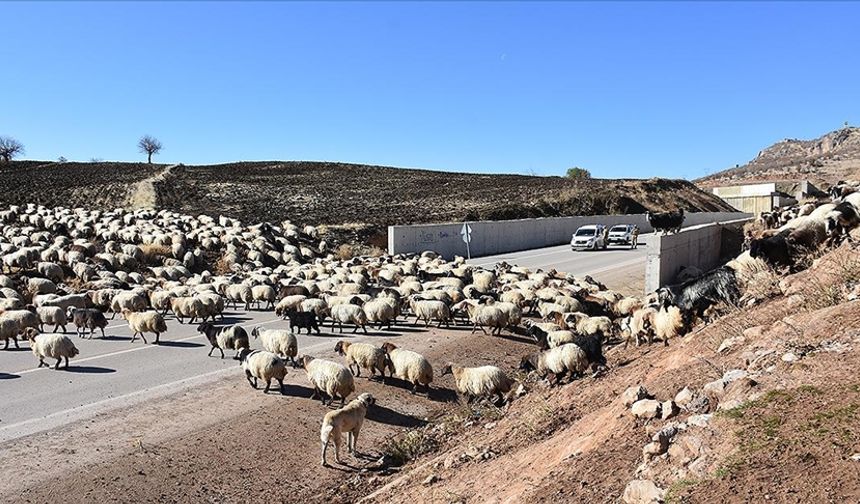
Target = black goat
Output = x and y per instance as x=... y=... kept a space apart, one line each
x=697 y=295
x=666 y=221
x=303 y=320
x=592 y=345
x=88 y=318
x=774 y=250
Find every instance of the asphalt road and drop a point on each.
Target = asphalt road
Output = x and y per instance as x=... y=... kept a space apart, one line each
x=114 y=372
x=581 y=263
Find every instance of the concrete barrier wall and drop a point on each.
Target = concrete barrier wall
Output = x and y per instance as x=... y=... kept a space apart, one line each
x=497 y=237
x=705 y=247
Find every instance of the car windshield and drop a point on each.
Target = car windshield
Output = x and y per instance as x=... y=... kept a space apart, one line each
x=585 y=232
x=618 y=229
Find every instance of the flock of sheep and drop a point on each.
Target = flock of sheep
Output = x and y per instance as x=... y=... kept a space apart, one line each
x=73 y=266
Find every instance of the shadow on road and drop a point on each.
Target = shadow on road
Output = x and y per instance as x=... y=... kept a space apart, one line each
x=388 y=416
x=8 y=376
x=179 y=344
x=90 y=369
x=111 y=337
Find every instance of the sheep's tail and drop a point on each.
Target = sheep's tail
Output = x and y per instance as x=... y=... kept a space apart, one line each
x=74 y=351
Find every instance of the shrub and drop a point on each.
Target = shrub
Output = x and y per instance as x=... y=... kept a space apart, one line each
x=578 y=173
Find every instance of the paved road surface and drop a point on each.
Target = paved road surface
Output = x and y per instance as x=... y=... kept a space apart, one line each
x=113 y=372
x=578 y=263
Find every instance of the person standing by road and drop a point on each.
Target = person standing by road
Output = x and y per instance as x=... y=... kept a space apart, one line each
x=634 y=237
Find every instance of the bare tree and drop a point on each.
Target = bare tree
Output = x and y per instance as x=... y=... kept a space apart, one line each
x=10 y=148
x=149 y=145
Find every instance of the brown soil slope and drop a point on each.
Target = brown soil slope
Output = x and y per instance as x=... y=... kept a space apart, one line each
x=824 y=161
x=342 y=194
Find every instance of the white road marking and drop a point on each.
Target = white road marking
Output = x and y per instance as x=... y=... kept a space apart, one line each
x=80 y=411
x=138 y=348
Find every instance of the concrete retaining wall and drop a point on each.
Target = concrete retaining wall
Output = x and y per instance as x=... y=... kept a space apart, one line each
x=705 y=247
x=496 y=237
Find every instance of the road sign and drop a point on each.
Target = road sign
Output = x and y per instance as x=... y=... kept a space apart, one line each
x=466 y=233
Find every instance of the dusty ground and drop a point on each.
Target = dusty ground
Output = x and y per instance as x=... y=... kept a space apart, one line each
x=356 y=201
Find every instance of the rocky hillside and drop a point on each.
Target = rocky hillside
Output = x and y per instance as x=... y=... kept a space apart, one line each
x=825 y=160
x=357 y=199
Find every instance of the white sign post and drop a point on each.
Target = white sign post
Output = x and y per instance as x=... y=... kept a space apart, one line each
x=466 y=233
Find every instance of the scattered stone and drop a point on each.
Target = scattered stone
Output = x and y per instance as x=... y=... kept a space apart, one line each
x=734 y=375
x=715 y=388
x=698 y=404
x=668 y=410
x=646 y=408
x=856 y=457
x=634 y=394
x=652 y=449
x=730 y=404
x=795 y=301
x=429 y=480
x=754 y=332
x=730 y=343
x=684 y=397
x=693 y=444
x=642 y=492
x=521 y=390
x=490 y=425
x=678 y=453
x=700 y=420
x=790 y=357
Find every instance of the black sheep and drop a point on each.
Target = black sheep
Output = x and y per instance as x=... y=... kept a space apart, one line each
x=88 y=318
x=303 y=320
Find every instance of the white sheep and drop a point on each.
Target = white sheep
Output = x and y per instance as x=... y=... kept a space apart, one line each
x=288 y=303
x=236 y=293
x=348 y=314
x=263 y=365
x=480 y=382
x=362 y=355
x=213 y=305
x=52 y=315
x=188 y=307
x=626 y=306
x=55 y=346
x=430 y=309
x=348 y=419
x=9 y=329
x=145 y=322
x=642 y=325
x=278 y=341
x=380 y=311
x=329 y=379
x=669 y=323
x=409 y=366
x=564 y=359
x=127 y=300
x=265 y=293
x=587 y=326
x=24 y=318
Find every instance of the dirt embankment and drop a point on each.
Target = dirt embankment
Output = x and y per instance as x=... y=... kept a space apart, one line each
x=355 y=201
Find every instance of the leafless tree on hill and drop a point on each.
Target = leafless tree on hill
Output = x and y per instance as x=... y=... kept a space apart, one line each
x=149 y=145
x=10 y=148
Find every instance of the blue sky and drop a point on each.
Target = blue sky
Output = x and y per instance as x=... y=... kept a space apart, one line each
x=623 y=89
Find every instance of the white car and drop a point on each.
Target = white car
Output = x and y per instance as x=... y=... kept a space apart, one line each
x=621 y=234
x=591 y=237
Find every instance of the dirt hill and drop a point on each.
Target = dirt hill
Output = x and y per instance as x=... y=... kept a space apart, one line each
x=359 y=198
x=825 y=160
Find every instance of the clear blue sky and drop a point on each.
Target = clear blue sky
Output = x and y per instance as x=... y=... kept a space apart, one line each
x=623 y=89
